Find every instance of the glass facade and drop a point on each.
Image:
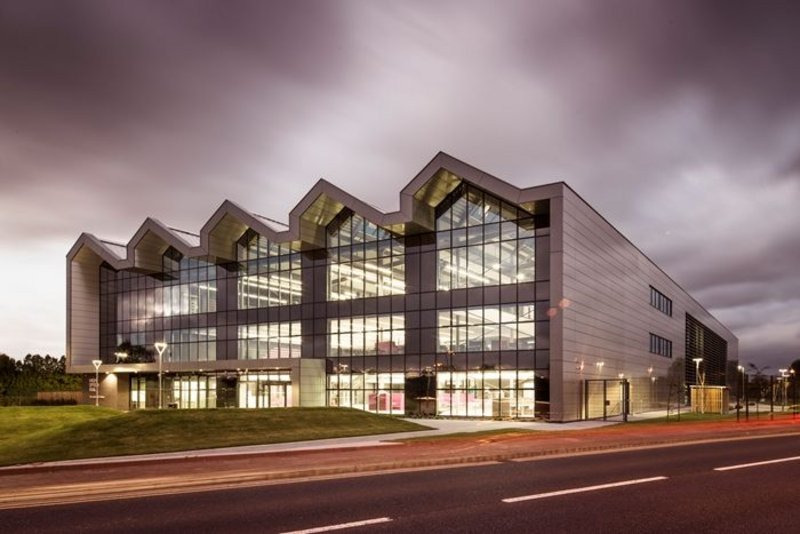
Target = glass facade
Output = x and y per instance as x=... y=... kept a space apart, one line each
x=451 y=321
x=483 y=241
x=376 y=334
x=486 y=394
x=487 y=328
x=262 y=389
x=269 y=341
x=136 y=310
x=270 y=273
x=364 y=260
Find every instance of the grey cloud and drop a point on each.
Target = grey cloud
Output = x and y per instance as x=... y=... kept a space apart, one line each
x=679 y=121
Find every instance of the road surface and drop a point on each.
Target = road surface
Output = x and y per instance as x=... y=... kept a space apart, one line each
x=684 y=489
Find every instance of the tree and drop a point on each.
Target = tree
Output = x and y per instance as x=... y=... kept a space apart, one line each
x=759 y=387
x=20 y=380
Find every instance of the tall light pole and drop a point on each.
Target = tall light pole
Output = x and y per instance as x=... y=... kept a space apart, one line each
x=160 y=347
x=97 y=364
x=740 y=387
x=698 y=380
x=784 y=375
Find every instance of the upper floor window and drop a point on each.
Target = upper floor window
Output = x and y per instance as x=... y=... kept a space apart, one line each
x=270 y=341
x=483 y=241
x=171 y=263
x=660 y=301
x=487 y=328
x=371 y=334
x=364 y=260
x=660 y=346
x=271 y=273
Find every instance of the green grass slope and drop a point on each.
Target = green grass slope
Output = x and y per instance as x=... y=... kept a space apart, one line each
x=43 y=434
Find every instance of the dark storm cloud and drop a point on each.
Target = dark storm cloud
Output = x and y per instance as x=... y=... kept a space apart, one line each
x=678 y=120
x=684 y=129
x=143 y=96
x=739 y=54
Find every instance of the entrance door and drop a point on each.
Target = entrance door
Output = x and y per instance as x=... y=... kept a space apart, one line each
x=279 y=395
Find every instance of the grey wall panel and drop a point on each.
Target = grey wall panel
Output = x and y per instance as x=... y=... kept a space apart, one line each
x=557 y=393
x=606 y=311
x=83 y=308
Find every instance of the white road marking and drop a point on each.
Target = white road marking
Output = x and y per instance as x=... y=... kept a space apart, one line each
x=342 y=526
x=584 y=489
x=755 y=464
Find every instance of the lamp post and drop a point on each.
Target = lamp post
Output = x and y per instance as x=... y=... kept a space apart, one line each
x=739 y=387
x=785 y=385
x=698 y=380
x=97 y=364
x=160 y=348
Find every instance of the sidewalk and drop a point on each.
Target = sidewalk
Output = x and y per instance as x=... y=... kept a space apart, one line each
x=161 y=474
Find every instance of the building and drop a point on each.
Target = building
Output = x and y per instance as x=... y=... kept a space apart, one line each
x=474 y=299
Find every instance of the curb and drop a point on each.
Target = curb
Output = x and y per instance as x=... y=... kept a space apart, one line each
x=638 y=443
x=127 y=488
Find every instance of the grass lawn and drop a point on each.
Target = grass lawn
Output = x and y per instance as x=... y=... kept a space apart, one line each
x=40 y=434
x=688 y=417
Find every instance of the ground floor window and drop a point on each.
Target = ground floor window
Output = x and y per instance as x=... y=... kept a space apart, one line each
x=267 y=389
x=373 y=392
x=489 y=393
x=479 y=393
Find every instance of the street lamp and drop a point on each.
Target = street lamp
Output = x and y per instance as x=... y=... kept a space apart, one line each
x=698 y=380
x=739 y=389
x=784 y=375
x=97 y=364
x=160 y=348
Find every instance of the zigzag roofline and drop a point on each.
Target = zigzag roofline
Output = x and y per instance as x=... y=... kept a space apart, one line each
x=308 y=219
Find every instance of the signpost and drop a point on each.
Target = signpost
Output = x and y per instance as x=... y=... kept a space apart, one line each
x=96 y=385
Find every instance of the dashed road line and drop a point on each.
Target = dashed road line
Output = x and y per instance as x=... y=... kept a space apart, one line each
x=583 y=489
x=342 y=526
x=756 y=464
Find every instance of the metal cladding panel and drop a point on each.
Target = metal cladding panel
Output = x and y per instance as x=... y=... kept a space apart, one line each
x=83 y=336
x=607 y=315
x=555 y=313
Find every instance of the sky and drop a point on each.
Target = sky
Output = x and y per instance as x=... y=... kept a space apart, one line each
x=678 y=121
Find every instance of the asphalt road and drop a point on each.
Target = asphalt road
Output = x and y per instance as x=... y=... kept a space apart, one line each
x=675 y=489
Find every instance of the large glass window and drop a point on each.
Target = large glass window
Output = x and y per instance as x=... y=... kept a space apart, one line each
x=265 y=390
x=133 y=304
x=374 y=334
x=483 y=241
x=364 y=259
x=485 y=394
x=487 y=328
x=269 y=341
x=270 y=275
x=194 y=392
x=373 y=392
x=191 y=345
